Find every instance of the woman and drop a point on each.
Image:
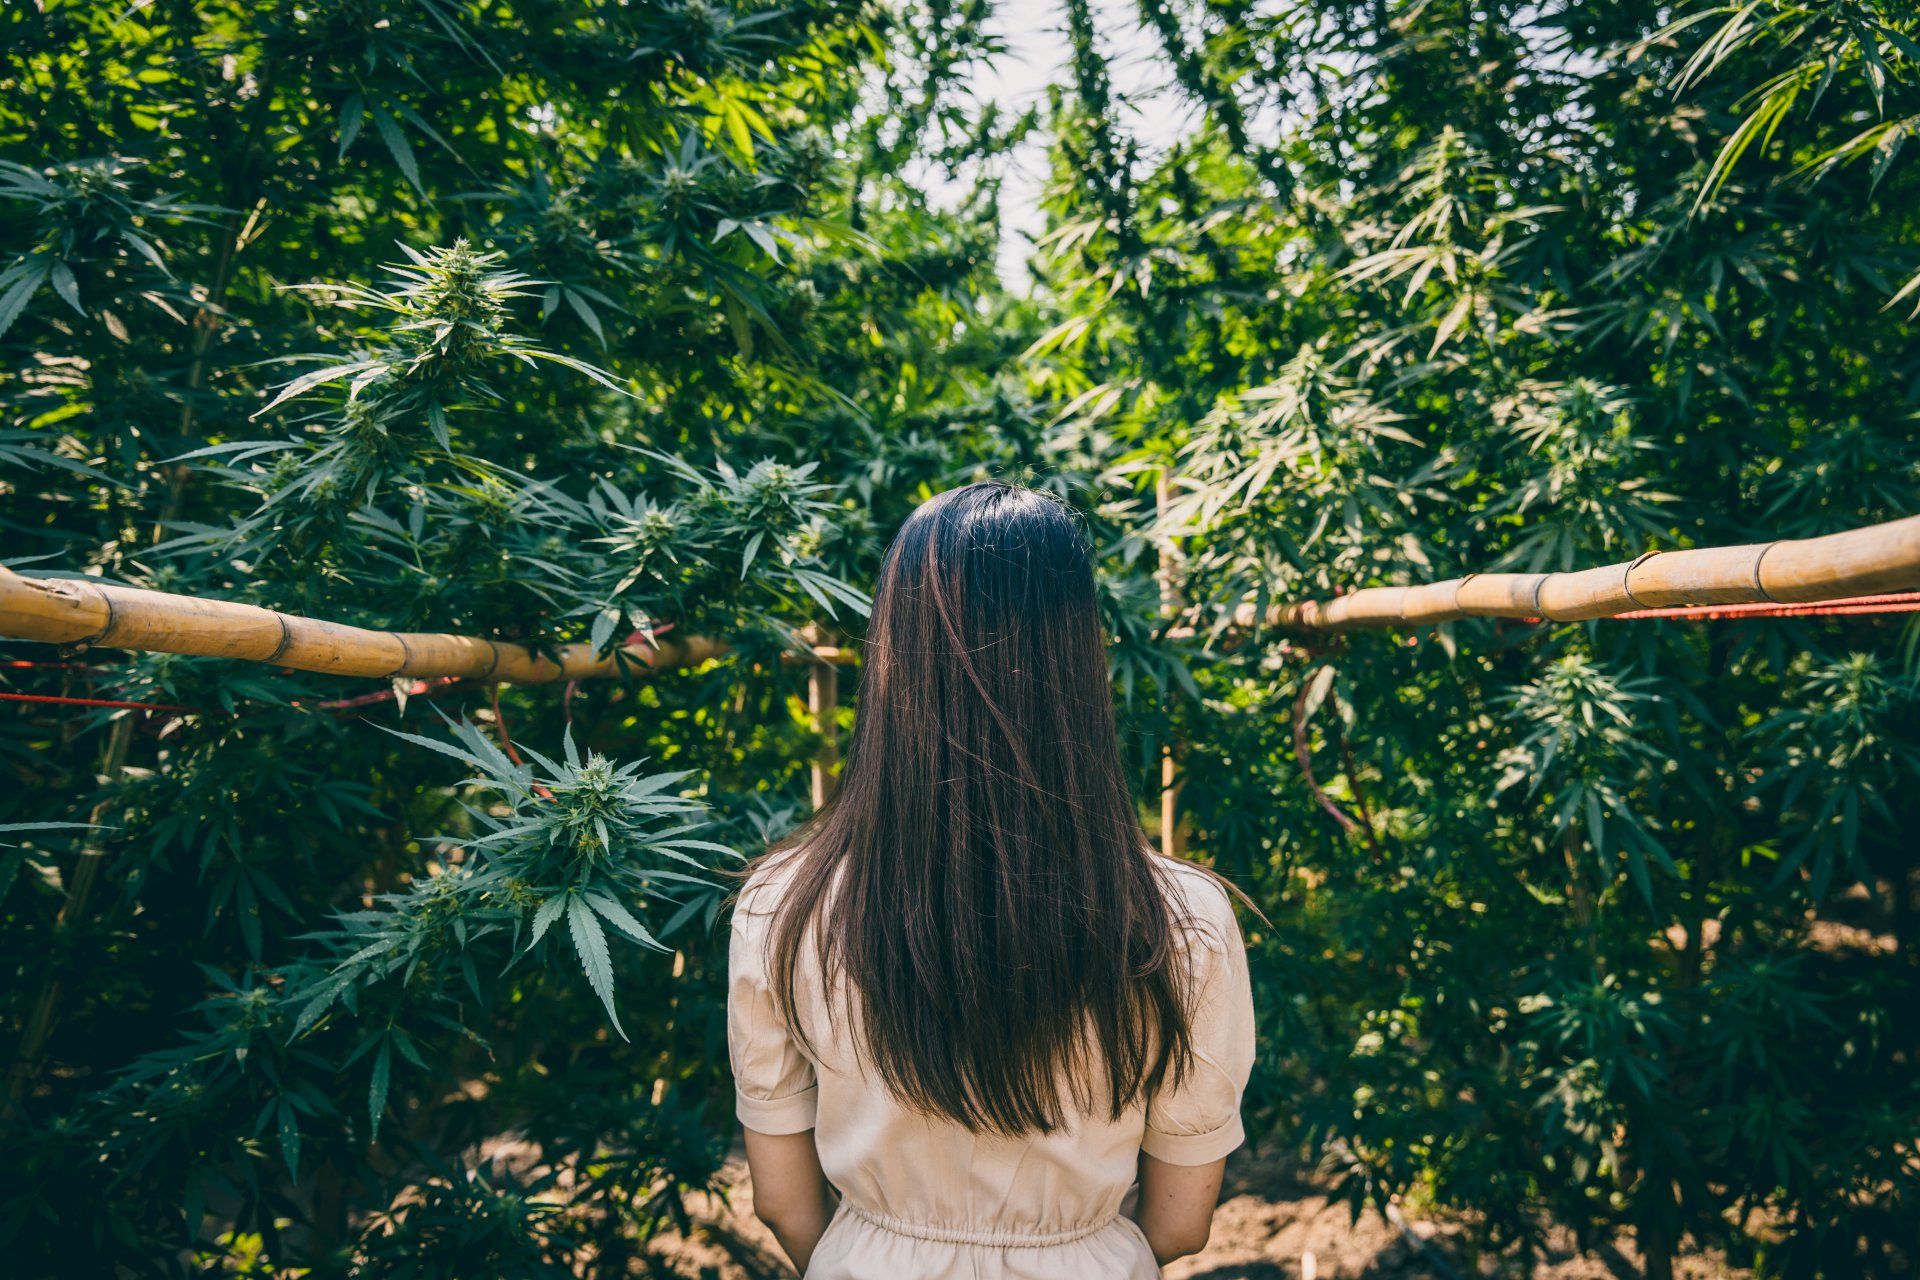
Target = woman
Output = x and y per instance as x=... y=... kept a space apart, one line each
x=968 y=996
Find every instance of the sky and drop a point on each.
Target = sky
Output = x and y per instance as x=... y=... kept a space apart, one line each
x=1037 y=57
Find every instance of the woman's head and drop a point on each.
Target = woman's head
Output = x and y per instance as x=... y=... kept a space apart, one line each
x=985 y=638
x=980 y=881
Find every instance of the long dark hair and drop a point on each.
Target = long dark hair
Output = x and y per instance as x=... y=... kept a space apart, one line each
x=980 y=881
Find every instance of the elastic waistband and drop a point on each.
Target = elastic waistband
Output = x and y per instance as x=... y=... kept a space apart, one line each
x=947 y=1234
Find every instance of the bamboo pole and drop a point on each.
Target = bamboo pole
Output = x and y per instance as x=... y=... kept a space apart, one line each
x=78 y=611
x=1879 y=558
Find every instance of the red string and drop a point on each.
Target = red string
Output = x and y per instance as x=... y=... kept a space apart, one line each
x=427 y=688
x=99 y=702
x=500 y=723
x=506 y=738
x=418 y=689
x=1857 y=606
x=1852 y=607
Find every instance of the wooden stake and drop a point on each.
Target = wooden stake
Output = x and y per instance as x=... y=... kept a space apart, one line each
x=823 y=701
x=46 y=1007
x=1173 y=842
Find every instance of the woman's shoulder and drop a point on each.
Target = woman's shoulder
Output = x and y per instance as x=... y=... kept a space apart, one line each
x=767 y=883
x=1201 y=904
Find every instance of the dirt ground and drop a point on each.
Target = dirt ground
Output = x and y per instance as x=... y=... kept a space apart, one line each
x=1274 y=1223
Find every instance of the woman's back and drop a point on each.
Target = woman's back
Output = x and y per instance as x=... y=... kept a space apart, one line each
x=969 y=977
x=922 y=1196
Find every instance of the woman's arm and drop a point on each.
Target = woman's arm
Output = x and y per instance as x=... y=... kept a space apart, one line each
x=1175 y=1210
x=791 y=1193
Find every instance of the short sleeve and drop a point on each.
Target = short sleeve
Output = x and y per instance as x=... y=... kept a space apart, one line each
x=775 y=1091
x=1196 y=1119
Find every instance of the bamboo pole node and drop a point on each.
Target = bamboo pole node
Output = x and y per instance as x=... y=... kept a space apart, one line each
x=286 y=637
x=1626 y=578
x=1758 y=584
x=1538 y=582
x=106 y=627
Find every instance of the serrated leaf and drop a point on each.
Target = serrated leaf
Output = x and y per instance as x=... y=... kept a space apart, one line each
x=19 y=291
x=398 y=147
x=377 y=1089
x=622 y=919
x=289 y=1134
x=60 y=275
x=353 y=114
x=590 y=944
x=549 y=912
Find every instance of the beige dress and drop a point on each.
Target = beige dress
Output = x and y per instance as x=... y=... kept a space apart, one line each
x=922 y=1198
